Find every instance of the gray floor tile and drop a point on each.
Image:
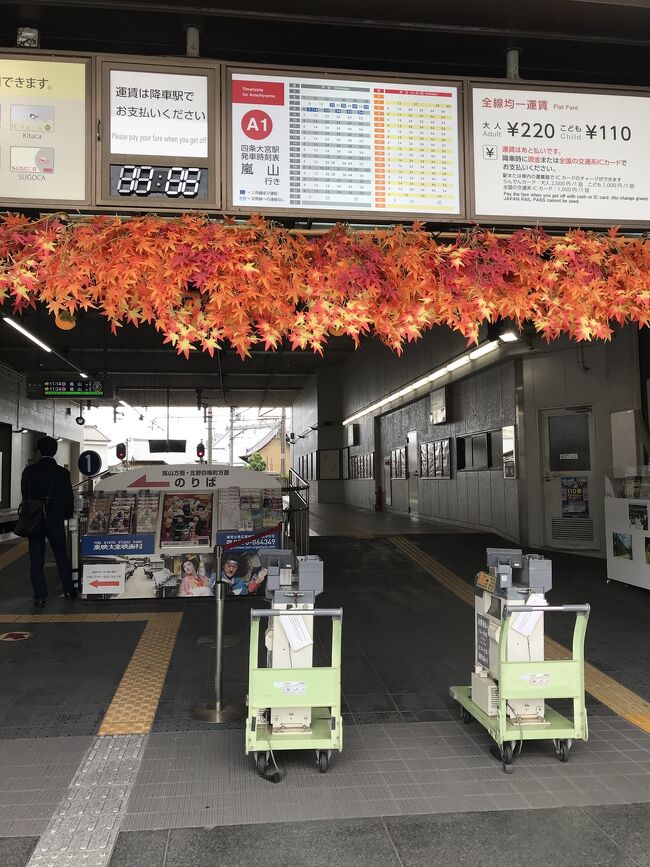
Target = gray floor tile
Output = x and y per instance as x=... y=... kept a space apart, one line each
x=140 y=848
x=628 y=825
x=553 y=837
x=347 y=843
x=16 y=851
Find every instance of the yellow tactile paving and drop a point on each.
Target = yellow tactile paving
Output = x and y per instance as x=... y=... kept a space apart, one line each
x=13 y=553
x=135 y=702
x=622 y=701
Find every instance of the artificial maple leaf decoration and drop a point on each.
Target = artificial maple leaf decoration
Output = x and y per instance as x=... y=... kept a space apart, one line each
x=204 y=283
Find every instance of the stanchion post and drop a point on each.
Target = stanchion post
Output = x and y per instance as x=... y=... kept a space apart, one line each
x=219 y=711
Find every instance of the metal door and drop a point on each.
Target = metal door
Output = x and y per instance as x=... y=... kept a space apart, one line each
x=412 y=461
x=567 y=438
x=388 y=491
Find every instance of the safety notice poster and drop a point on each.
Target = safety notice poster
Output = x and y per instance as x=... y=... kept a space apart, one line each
x=42 y=130
x=555 y=154
x=321 y=143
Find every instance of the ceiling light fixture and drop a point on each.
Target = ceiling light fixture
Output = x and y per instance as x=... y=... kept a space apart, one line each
x=26 y=333
x=462 y=361
x=480 y=351
x=509 y=336
x=459 y=362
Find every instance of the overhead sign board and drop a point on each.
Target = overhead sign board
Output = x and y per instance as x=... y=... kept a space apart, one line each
x=554 y=155
x=366 y=146
x=159 y=148
x=44 y=117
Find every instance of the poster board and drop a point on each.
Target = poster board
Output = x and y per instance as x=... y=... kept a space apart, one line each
x=627 y=525
x=162 y=525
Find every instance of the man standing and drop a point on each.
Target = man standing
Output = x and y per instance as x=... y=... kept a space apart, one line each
x=46 y=480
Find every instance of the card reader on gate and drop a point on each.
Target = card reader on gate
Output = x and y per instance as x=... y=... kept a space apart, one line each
x=279 y=563
x=514 y=573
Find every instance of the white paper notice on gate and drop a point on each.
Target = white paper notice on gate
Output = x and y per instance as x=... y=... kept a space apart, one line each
x=525 y=622
x=296 y=631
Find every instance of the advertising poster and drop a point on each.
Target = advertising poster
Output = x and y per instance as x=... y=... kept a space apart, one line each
x=242 y=572
x=186 y=520
x=122 y=515
x=147 y=511
x=158 y=113
x=622 y=545
x=557 y=154
x=325 y=143
x=575 y=497
x=99 y=510
x=638 y=515
x=42 y=130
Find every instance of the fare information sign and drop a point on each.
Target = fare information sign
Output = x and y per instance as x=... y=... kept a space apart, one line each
x=42 y=130
x=158 y=114
x=322 y=143
x=560 y=155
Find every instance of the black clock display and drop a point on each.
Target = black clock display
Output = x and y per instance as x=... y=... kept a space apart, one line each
x=169 y=182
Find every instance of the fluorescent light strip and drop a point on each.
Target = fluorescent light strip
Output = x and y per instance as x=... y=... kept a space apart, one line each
x=480 y=351
x=460 y=362
x=27 y=334
x=42 y=345
x=474 y=355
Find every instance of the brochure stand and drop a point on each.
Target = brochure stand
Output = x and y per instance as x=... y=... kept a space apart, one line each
x=627 y=510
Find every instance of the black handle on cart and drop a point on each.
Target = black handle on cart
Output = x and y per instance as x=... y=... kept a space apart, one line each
x=563 y=609
x=258 y=613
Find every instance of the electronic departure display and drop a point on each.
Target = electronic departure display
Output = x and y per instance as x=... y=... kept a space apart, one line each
x=68 y=387
x=173 y=182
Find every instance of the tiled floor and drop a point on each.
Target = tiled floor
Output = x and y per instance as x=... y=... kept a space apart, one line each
x=413 y=786
x=204 y=779
x=565 y=837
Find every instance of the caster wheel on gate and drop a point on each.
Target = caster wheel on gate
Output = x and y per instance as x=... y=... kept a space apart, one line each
x=562 y=751
x=323 y=762
x=465 y=715
x=506 y=757
x=260 y=762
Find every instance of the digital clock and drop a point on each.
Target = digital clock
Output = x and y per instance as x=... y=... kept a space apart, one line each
x=170 y=182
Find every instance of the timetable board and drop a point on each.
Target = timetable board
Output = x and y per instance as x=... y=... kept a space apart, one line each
x=320 y=144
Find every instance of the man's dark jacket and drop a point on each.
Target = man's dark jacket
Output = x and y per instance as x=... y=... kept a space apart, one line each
x=35 y=485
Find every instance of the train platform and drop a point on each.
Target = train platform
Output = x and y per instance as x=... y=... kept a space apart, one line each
x=103 y=764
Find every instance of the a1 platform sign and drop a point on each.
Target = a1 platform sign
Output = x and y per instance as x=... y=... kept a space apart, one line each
x=89 y=463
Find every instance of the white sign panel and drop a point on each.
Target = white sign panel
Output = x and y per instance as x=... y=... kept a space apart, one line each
x=158 y=114
x=179 y=477
x=42 y=130
x=103 y=578
x=326 y=143
x=551 y=154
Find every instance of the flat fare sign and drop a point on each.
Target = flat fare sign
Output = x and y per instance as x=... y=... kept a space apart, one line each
x=42 y=130
x=344 y=145
x=556 y=155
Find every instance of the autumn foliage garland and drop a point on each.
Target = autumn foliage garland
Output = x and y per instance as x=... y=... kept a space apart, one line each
x=203 y=283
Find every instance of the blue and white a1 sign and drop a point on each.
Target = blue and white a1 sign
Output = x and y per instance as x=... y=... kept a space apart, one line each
x=89 y=463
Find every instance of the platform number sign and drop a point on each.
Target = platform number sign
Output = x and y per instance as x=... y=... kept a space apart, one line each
x=89 y=463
